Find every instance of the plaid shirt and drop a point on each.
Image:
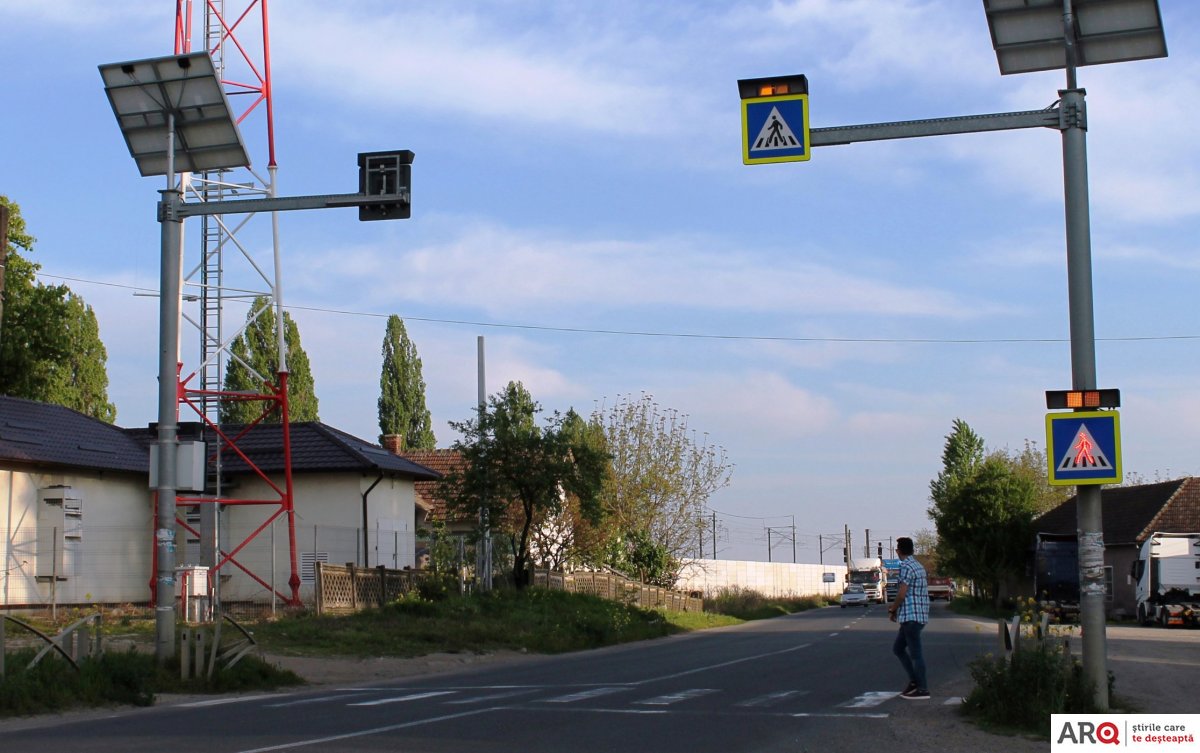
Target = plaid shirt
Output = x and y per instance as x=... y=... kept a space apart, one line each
x=915 y=607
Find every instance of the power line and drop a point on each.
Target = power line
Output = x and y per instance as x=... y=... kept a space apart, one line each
x=679 y=335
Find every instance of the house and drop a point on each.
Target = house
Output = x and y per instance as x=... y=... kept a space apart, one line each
x=1130 y=514
x=354 y=502
x=75 y=508
x=77 y=513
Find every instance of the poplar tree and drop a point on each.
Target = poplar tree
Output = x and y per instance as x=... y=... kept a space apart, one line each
x=50 y=347
x=402 y=390
x=256 y=354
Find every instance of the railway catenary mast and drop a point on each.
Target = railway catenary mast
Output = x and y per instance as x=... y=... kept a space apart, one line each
x=236 y=35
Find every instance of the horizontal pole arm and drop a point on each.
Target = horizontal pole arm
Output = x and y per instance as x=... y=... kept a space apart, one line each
x=287 y=203
x=907 y=129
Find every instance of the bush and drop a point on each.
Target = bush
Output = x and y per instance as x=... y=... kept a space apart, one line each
x=748 y=604
x=1024 y=692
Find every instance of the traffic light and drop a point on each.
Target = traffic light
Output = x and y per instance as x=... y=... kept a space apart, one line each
x=1083 y=399
x=389 y=176
x=879 y=551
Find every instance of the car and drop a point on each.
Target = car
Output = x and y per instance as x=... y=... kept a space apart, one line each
x=855 y=596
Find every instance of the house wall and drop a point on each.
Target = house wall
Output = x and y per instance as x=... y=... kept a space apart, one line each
x=328 y=527
x=104 y=555
x=768 y=578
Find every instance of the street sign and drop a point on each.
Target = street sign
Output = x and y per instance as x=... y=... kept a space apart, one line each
x=775 y=129
x=1084 y=447
x=774 y=119
x=828 y=577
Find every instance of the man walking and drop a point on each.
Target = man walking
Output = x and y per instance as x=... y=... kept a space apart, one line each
x=911 y=610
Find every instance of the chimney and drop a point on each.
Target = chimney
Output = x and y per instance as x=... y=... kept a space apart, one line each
x=393 y=443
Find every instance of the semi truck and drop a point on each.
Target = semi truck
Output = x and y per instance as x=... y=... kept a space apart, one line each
x=871 y=574
x=1166 y=577
x=1056 y=575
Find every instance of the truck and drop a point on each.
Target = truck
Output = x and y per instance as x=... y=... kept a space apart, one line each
x=941 y=587
x=893 y=578
x=1166 y=577
x=872 y=575
x=1056 y=575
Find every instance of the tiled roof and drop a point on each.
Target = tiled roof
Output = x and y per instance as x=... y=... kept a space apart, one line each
x=1131 y=513
x=316 y=448
x=50 y=435
x=442 y=461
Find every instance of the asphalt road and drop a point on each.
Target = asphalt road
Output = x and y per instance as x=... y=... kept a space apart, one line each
x=820 y=680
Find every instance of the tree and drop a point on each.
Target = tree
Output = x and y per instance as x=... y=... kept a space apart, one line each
x=983 y=509
x=522 y=473
x=402 y=390
x=255 y=363
x=1031 y=464
x=662 y=478
x=50 y=346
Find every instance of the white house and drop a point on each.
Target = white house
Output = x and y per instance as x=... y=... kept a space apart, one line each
x=77 y=522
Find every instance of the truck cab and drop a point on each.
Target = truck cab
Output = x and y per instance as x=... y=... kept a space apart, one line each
x=1166 y=577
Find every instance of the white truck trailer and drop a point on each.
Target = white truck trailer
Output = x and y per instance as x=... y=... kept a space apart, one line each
x=1166 y=578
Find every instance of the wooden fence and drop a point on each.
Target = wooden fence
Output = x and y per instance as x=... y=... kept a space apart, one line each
x=618 y=588
x=346 y=588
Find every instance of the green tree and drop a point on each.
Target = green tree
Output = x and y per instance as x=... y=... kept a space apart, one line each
x=255 y=364
x=663 y=475
x=983 y=510
x=1030 y=463
x=50 y=346
x=402 y=390
x=521 y=472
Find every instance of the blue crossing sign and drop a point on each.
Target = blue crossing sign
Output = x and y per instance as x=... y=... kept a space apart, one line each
x=1084 y=447
x=774 y=119
x=775 y=129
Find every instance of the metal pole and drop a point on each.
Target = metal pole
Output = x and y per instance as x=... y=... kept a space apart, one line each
x=793 y=539
x=820 y=549
x=768 y=544
x=1090 y=534
x=714 y=531
x=3 y=258
x=168 y=407
x=483 y=557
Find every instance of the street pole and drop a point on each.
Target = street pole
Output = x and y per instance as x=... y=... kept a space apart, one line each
x=3 y=258
x=714 y=532
x=1090 y=534
x=168 y=406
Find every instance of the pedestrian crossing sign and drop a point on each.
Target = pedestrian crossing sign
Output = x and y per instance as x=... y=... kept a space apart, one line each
x=1084 y=447
x=775 y=129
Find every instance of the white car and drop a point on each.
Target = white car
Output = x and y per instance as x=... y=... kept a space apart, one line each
x=855 y=596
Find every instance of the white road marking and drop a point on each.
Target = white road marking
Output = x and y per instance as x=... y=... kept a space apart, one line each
x=953 y=700
x=492 y=697
x=402 y=698
x=318 y=699
x=770 y=699
x=867 y=700
x=372 y=731
x=584 y=695
x=721 y=664
x=223 y=701
x=670 y=698
x=842 y=716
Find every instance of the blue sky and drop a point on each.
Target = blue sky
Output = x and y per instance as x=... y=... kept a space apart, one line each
x=578 y=176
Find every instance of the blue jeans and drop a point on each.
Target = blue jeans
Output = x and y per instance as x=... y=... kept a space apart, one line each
x=907 y=649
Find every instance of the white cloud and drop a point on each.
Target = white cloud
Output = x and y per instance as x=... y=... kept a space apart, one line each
x=505 y=271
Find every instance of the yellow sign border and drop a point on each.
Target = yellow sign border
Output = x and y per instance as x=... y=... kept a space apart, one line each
x=1053 y=478
x=746 y=159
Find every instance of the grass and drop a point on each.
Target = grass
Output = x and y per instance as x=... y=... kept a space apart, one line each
x=748 y=604
x=536 y=620
x=118 y=678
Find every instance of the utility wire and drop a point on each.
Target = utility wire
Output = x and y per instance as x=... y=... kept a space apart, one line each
x=676 y=335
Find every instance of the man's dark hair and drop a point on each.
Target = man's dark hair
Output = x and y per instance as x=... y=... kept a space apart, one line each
x=904 y=545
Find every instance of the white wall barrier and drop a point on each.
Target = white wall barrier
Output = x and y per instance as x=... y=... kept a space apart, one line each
x=710 y=577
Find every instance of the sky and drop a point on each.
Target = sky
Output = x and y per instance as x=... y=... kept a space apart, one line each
x=579 y=200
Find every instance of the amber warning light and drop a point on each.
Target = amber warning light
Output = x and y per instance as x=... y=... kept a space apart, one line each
x=774 y=86
x=1083 y=399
